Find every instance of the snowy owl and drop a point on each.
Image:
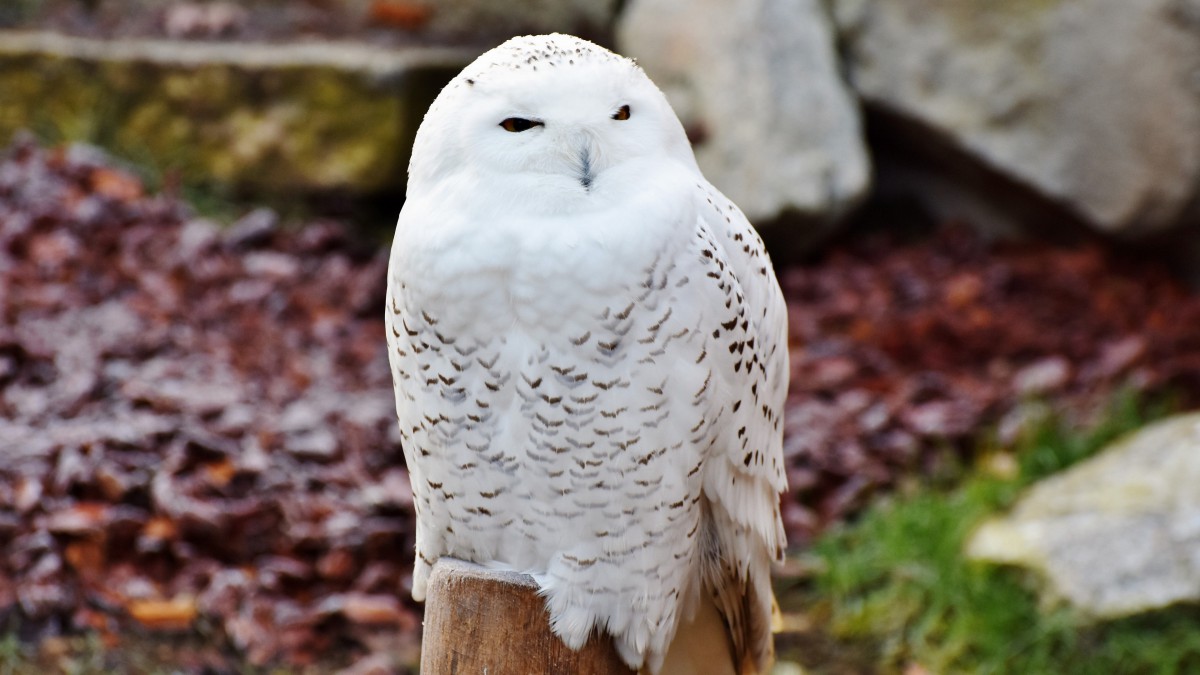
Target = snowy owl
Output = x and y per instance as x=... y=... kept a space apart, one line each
x=589 y=351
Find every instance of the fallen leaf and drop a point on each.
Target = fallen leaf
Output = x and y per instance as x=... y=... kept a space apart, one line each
x=400 y=14
x=116 y=184
x=86 y=555
x=160 y=528
x=221 y=472
x=167 y=615
x=79 y=518
x=368 y=609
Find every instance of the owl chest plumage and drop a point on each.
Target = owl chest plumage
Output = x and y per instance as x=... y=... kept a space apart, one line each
x=557 y=412
x=547 y=394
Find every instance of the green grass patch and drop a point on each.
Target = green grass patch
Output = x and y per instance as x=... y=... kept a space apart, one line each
x=895 y=584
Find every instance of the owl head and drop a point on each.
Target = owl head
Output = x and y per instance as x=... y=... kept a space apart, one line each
x=547 y=122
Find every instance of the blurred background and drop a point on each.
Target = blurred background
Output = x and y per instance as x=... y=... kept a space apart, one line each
x=985 y=217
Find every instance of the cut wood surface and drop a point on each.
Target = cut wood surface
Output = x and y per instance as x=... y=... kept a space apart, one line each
x=483 y=621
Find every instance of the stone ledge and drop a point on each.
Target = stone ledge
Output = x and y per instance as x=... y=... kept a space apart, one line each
x=253 y=116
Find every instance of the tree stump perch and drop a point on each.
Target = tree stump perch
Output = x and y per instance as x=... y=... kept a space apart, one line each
x=480 y=621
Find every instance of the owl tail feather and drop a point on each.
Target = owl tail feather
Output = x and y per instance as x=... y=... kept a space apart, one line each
x=701 y=646
x=737 y=575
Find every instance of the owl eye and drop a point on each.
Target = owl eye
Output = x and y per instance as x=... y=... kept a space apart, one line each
x=518 y=124
x=622 y=113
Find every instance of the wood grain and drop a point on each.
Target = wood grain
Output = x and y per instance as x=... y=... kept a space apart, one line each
x=480 y=621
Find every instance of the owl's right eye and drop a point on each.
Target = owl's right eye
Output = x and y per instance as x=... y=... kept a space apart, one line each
x=518 y=124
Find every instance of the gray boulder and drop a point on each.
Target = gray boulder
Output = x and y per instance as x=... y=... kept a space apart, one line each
x=1116 y=535
x=1091 y=106
x=756 y=84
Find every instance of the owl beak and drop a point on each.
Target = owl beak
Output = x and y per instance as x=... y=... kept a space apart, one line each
x=587 y=158
x=585 y=168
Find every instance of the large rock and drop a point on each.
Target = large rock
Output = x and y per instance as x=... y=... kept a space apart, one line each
x=1092 y=106
x=310 y=116
x=1118 y=534
x=756 y=84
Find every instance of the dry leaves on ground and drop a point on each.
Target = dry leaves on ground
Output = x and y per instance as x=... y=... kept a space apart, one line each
x=903 y=352
x=196 y=423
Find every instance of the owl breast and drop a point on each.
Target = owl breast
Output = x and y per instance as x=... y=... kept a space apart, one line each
x=556 y=421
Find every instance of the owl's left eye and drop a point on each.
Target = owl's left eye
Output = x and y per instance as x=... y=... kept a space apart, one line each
x=518 y=124
x=622 y=113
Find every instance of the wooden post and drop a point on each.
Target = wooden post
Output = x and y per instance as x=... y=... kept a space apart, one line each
x=486 y=622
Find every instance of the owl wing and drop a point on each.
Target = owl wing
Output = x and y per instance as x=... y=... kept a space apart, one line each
x=744 y=474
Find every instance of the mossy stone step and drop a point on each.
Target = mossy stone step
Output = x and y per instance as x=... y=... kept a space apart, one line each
x=258 y=117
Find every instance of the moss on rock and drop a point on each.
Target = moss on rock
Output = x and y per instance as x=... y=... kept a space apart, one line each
x=264 y=118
